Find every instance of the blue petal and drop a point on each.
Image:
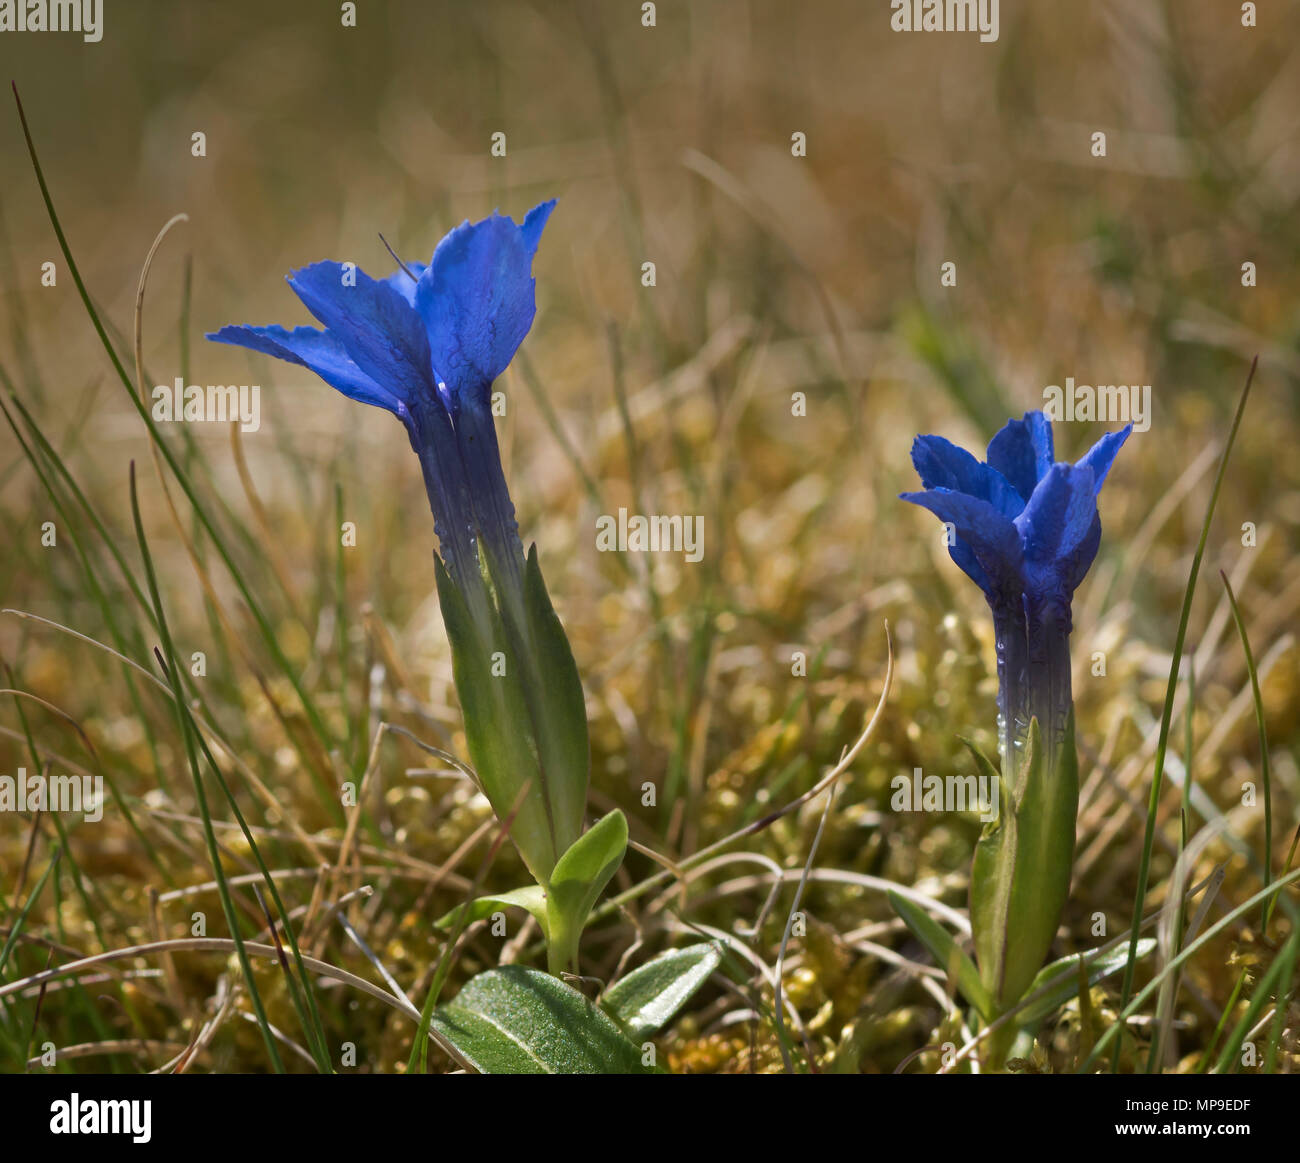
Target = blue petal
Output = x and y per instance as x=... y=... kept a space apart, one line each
x=1060 y=531
x=1022 y=452
x=534 y=222
x=477 y=300
x=403 y=284
x=373 y=322
x=988 y=545
x=1102 y=454
x=943 y=465
x=318 y=351
x=1076 y=568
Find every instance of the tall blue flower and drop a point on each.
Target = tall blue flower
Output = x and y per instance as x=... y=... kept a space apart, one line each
x=425 y=343
x=1024 y=527
x=426 y=346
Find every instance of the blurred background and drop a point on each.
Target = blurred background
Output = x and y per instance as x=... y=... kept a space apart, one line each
x=774 y=274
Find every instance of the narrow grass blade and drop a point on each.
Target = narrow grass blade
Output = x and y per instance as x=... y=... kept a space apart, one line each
x=944 y=950
x=265 y=628
x=1174 y=963
x=167 y=655
x=1265 y=774
x=1274 y=982
x=1166 y=715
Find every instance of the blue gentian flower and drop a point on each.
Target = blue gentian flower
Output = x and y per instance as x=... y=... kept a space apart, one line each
x=427 y=349
x=425 y=343
x=1024 y=527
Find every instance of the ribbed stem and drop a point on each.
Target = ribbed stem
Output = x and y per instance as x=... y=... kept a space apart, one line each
x=494 y=511
x=448 y=489
x=1033 y=652
x=1048 y=628
x=1013 y=695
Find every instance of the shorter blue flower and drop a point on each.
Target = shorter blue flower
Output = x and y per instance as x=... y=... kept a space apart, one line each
x=1023 y=522
x=1025 y=528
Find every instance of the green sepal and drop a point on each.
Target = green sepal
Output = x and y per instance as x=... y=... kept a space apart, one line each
x=551 y=689
x=950 y=958
x=564 y=707
x=580 y=877
x=498 y=728
x=987 y=908
x=531 y=897
x=1020 y=877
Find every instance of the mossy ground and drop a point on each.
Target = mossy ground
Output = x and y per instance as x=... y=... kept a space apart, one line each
x=774 y=276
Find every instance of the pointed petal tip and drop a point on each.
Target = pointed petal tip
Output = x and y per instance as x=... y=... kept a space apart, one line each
x=535 y=222
x=1022 y=451
x=477 y=298
x=238 y=334
x=1101 y=455
x=311 y=269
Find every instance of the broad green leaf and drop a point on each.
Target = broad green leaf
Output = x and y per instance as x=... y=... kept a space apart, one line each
x=579 y=878
x=647 y=998
x=531 y=897
x=515 y=1020
x=1068 y=985
x=944 y=950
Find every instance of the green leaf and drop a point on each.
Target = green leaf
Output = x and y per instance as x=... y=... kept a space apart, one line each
x=594 y=856
x=945 y=951
x=565 y=705
x=549 y=693
x=531 y=897
x=579 y=877
x=1067 y=986
x=989 y=891
x=498 y=727
x=515 y=1020
x=1264 y=770
x=647 y=998
x=1020 y=877
x=1166 y=715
